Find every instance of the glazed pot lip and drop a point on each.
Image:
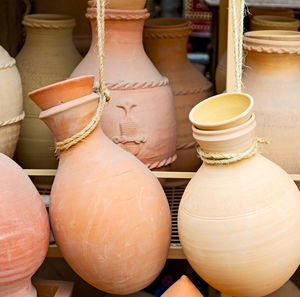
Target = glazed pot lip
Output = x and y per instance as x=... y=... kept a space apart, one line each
x=166 y=23
x=273 y=37
x=275 y=19
x=236 y=120
x=37 y=96
x=48 y=19
x=68 y=105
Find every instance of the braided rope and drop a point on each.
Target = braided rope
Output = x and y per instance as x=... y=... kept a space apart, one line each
x=8 y=65
x=102 y=91
x=14 y=120
x=229 y=158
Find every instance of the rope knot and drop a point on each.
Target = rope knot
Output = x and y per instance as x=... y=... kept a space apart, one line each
x=229 y=158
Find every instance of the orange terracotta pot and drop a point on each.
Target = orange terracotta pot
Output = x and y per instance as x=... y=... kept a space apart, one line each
x=165 y=41
x=24 y=231
x=140 y=116
x=272 y=77
x=121 y=4
x=110 y=216
x=183 y=287
x=239 y=223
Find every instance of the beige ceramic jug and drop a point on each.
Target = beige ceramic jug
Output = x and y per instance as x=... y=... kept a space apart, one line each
x=109 y=213
x=48 y=56
x=238 y=219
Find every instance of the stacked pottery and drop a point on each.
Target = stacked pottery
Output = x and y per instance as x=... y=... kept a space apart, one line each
x=11 y=104
x=183 y=287
x=140 y=116
x=165 y=41
x=48 y=56
x=271 y=76
x=238 y=218
x=110 y=216
x=24 y=230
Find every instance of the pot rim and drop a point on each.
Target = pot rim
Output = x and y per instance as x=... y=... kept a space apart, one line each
x=225 y=124
x=275 y=19
x=120 y=14
x=166 y=23
x=37 y=19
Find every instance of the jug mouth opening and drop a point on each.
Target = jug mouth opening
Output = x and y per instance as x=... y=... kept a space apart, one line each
x=222 y=111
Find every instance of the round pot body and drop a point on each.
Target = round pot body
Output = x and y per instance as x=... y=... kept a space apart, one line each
x=239 y=222
x=48 y=56
x=183 y=287
x=110 y=216
x=165 y=41
x=11 y=104
x=289 y=289
x=140 y=116
x=271 y=22
x=271 y=76
x=24 y=230
x=121 y=4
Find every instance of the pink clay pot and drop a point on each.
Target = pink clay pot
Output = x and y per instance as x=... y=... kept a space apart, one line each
x=140 y=116
x=24 y=231
x=110 y=216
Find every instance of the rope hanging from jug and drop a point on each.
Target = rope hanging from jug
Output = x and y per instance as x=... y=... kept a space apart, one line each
x=229 y=158
x=101 y=91
x=238 y=30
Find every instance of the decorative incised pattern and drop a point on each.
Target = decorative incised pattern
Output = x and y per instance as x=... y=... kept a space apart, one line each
x=185 y=146
x=10 y=64
x=162 y=163
x=13 y=120
x=189 y=91
x=271 y=49
x=91 y=14
x=33 y=24
x=135 y=85
x=151 y=35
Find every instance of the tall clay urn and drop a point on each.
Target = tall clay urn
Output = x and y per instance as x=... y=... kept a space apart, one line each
x=48 y=56
x=183 y=287
x=11 y=104
x=272 y=77
x=24 y=231
x=140 y=116
x=238 y=219
x=110 y=216
x=165 y=41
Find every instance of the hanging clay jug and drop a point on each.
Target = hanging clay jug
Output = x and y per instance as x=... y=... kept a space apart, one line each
x=272 y=78
x=110 y=216
x=183 y=287
x=48 y=56
x=121 y=4
x=238 y=222
x=140 y=116
x=165 y=41
x=271 y=22
x=287 y=290
x=24 y=231
x=11 y=104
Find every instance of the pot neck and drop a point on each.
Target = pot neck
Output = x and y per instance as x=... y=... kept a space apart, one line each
x=123 y=30
x=18 y=289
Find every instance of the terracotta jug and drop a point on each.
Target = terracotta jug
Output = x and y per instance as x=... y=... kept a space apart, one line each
x=183 y=287
x=110 y=216
x=140 y=116
x=287 y=290
x=24 y=230
x=238 y=219
x=271 y=22
x=48 y=56
x=11 y=104
x=121 y=4
x=165 y=41
x=271 y=76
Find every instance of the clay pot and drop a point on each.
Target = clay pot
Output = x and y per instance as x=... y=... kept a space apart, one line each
x=271 y=76
x=121 y=4
x=271 y=22
x=270 y=11
x=139 y=294
x=11 y=104
x=239 y=222
x=48 y=56
x=109 y=213
x=140 y=116
x=183 y=287
x=289 y=289
x=165 y=41
x=24 y=230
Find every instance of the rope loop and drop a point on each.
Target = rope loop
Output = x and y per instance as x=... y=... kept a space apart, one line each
x=229 y=158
